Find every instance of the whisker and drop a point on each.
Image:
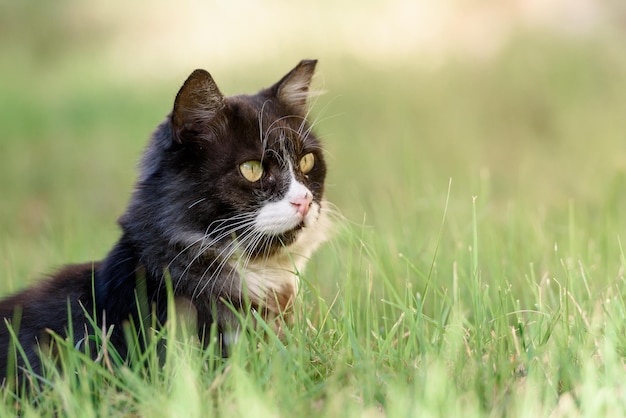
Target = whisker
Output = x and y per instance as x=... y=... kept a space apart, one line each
x=196 y=202
x=209 y=239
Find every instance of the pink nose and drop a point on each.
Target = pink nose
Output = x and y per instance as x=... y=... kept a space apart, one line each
x=302 y=204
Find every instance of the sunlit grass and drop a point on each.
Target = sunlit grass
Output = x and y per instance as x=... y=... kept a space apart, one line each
x=479 y=271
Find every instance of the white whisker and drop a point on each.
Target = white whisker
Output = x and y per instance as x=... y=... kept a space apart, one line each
x=196 y=202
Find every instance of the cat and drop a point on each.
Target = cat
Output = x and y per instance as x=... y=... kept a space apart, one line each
x=229 y=205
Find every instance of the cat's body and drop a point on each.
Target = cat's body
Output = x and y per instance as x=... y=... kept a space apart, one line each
x=228 y=206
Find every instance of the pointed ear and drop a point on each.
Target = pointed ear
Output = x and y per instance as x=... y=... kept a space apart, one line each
x=197 y=103
x=293 y=89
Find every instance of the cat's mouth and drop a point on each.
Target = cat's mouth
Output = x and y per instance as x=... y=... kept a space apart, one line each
x=275 y=241
x=288 y=237
x=282 y=226
x=278 y=224
x=270 y=244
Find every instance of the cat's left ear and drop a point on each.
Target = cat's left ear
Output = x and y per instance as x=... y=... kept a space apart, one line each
x=293 y=89
x=197 y=103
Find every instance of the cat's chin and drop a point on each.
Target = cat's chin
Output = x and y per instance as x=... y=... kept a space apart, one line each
x=278 y=241
x=271 y=244
x=278 y=223
x=290 y=236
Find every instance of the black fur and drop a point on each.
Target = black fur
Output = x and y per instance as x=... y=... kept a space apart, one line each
x=189 y=186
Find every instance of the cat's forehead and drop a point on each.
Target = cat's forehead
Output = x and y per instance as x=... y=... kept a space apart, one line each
x=261 y=108
x=268 y=121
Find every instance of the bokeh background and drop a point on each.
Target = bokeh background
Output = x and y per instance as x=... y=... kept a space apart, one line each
x=520 y=103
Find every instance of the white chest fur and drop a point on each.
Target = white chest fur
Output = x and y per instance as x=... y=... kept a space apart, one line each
x=272 y=282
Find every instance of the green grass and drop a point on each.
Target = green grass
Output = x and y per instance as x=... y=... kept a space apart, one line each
x=479 y=272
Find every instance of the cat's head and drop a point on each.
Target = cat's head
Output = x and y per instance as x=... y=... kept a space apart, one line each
x=241 y=174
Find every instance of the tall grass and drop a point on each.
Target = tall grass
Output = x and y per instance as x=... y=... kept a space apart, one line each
x=479 y=271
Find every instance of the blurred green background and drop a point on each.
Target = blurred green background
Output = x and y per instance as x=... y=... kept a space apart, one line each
x=521 y=104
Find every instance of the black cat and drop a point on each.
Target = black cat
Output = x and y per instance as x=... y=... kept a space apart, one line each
x=228 y=206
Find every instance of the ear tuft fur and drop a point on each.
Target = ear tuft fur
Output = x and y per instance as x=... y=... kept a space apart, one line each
x=198 y=101
x=293 y=89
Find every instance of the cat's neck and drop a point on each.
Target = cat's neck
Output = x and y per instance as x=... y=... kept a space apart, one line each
x=202 y=274
x=275 y=279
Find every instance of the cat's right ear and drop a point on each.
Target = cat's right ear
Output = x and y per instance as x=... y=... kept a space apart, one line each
x=293 y=89
x=197 y=103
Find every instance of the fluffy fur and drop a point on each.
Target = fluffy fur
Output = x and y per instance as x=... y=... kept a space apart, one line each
x=193 y=217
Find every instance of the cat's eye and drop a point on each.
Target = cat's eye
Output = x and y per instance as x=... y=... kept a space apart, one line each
x=307 y=162
x=251 y=170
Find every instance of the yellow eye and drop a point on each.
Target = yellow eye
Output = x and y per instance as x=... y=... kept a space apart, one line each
x=251 y=170
x=307 y=162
